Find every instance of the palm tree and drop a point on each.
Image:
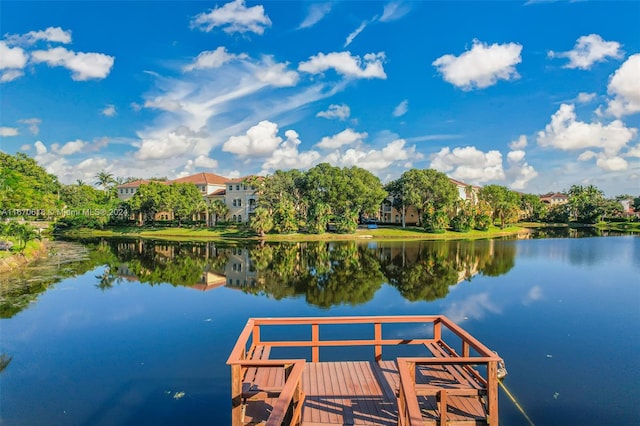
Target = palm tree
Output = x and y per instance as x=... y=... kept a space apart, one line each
x=80 y=182
x=218 y=209
x=104 y=179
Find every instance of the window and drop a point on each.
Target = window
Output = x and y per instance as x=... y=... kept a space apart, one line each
x=234 y=218
x=239 y=218
x=230 y=187
x=234 y=202
x=244 y=187
x=239 y=202
x=237 y=187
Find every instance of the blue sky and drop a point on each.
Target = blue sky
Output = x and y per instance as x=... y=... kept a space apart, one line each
x=535 y=96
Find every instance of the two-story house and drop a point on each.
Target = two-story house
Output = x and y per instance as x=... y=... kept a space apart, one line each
x=390 y=215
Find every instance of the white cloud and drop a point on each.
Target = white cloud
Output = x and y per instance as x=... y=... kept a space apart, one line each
x=276 y=74
x=12 y=61
x=205 y=162
x=345 y=137
x=211 y=107
x=260 y=140
x=12 y=57
x=565 y=132
x=482 y=66
x=346 y=64
x=588 y=50
x=164 y=144
x=83 y=66
x=394 y=11
x=315 y=15
x=515 y=156
x=51 y=34
x=213 y=59
x=625 y=87
x=469 y=164
x=33 y=123
x=8 y=131
x=286 y=156
x=587 y=155
x=69 y=148
x=401 y=109
x=40 y=147
x=519 y=144
x=109 y=111
x=375 y=160
x=25 y=147
x=634 y=151
x=612 y=164
x=341 y=112
x=519 y=172
x=355 y=33
x=584 y=98
x=233 y=17
x=10 y=75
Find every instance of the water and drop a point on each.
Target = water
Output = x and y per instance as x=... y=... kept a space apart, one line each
x=137 y=332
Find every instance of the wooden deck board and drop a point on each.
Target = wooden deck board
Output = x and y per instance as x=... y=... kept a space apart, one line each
x=363 y=393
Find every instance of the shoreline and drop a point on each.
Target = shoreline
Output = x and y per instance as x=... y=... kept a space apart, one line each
x=386 y=234
x=10 y=263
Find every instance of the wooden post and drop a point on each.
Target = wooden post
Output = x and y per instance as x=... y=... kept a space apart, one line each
x=377 y=335
x=437 y=330
x=315 y=338
x=236 y=395
x=255 y=337
x=443 y=407
x=492 y=397
x=465 y=348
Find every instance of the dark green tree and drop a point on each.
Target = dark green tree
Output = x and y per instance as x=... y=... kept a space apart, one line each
x=586 y=203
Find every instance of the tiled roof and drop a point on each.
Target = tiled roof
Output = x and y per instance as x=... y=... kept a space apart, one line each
x=217 y=192
x=203 y=178
x=239 y=180
x=137 y=183
x=459 y=183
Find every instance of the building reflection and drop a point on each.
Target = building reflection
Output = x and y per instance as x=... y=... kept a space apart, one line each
x=324 y=273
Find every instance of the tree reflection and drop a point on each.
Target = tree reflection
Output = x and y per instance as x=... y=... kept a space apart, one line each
x=326 y=274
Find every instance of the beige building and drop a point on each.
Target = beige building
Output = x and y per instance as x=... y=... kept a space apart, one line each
x=554 y=198
x=239 y=197
x=390 y=215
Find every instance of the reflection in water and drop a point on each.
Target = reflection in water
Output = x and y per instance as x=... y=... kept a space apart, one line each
x=19 y=290
x=325 y=273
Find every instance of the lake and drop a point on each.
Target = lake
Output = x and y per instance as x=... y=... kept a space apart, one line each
x=118 y=331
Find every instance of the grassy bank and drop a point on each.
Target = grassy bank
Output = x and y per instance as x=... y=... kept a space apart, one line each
x=244 y=233
x=11 y=260
x=619 y=226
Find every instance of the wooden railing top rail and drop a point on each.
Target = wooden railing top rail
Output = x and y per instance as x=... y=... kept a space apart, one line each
x=347 y=320
x=241 y=343
x=283 y=403
x=410 y=415
x=239 y=350
x=472 y=341
x=450 y=361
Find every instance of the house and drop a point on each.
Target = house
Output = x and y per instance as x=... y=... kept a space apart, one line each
x=390 y=215
x=239 y=197
x=554 y=198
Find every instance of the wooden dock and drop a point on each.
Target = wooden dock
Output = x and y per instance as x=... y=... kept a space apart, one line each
x=452 y=382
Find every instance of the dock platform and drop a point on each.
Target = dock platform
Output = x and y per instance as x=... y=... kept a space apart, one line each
x=452 y=381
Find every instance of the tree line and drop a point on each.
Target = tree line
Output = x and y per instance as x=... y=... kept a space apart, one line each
x=323 y=197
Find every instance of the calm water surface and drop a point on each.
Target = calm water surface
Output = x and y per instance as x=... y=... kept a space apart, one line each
x=133 y=332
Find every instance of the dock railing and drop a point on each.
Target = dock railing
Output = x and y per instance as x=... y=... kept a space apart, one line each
x=250 y=349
